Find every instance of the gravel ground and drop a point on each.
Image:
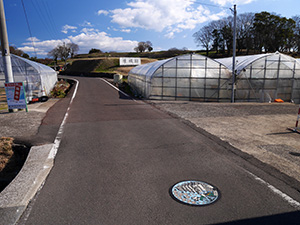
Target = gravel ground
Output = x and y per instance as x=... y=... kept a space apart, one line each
x=21 y=123
x=258 y=129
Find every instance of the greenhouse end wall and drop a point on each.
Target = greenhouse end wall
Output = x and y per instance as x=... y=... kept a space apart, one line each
x=266 y=77
x=259 y=78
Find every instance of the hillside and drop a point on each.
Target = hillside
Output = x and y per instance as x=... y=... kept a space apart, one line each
x=98 y=66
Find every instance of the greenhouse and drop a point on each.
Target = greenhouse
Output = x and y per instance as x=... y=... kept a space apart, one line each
x=38 y=79
x=259 y=78
x=186 y=77
x=266 y=77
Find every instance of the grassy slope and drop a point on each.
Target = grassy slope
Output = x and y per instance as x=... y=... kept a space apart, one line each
x=99 y=65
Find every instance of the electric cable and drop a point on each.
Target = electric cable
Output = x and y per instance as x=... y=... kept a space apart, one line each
x=30 y=33
x=206 y=4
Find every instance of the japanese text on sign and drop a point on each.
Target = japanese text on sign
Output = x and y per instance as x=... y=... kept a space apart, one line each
x=15 y=95
x=125 y=61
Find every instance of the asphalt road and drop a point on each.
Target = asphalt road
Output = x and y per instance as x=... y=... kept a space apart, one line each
x=118 y=159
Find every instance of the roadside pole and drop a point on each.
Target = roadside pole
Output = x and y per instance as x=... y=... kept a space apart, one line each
x=296 y=128
x=234 y=52
x=5 y=48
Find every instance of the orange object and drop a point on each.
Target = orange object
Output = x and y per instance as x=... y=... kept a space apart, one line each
x=278 y=100
x=35 y=100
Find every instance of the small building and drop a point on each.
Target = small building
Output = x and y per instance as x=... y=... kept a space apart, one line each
x=38 y=78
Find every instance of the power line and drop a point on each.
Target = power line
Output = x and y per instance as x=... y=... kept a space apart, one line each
x=210 y=5
x=29 y=28
x=46 y=22
x=50 y=16
x=42 y=19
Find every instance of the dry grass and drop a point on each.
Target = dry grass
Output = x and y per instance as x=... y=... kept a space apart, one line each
x=6 y=151
x=3 y=104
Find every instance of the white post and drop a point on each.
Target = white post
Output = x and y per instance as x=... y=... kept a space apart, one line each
x=233 y=54
x=5 y=46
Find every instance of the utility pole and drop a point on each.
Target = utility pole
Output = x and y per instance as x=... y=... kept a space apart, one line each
x=233 y=54
x=5 y=46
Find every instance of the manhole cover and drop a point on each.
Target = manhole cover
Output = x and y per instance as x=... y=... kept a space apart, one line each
x=195 y=193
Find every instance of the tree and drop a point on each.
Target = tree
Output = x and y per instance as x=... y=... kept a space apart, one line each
x=204 y=37
x=64 y=52
x=14 y=50
x=149 y=46
x=74 y=48
x=272 y=32
x=54 y=53
x=227 y=33
x=95 y=50
x=25 y=55
x=245 y=31
x=143 y=46
x=296 y=38
x=218 y=41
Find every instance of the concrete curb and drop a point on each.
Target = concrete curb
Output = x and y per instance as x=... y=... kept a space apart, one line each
x=17 y=195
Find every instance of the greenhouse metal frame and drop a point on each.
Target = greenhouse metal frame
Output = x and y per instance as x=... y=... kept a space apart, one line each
x=186 y=77
x=266 y=77
x=259 y=78
x=38 y=79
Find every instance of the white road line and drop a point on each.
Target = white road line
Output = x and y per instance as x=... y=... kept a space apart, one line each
x=117 y=89
x=287 y=198
x=58 y=137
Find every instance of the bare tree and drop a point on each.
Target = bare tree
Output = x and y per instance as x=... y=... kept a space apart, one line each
x=54 y=53
x=149 y=46
x=64 y=52
x=74 y=48
x=245 y=31
x=204 y=37
x=143 y=46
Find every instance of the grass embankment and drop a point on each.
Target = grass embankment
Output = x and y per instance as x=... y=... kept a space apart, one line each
x=99 y=66
x=60 y=89
x=6 y=151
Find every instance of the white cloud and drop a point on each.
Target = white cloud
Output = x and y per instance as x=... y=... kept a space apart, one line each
x=102 y=40
x=32 y=39
x=232 y=2
x=87 y=39
x=89 y=30
x=125 y=30
x=172 y=16
x=104 y=12
x=66 y=28
x=86 y=24
x=41 y=47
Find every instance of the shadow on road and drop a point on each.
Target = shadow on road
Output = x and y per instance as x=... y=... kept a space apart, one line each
x=123 y=96
x=285 y=218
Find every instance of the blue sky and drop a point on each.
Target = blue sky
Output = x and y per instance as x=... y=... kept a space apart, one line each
x=119 y=25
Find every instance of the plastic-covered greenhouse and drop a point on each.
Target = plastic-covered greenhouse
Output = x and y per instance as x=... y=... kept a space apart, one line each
x=38 y=79
x=259 y=78
x=266 y=77
x=186 y=77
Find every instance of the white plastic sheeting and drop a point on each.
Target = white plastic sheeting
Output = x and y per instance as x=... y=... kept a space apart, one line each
x=259 y=78
x=266 y=77
x=186 y=77
x=38 y=79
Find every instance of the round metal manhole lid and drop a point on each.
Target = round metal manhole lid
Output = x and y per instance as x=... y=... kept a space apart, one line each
x=195 y=193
